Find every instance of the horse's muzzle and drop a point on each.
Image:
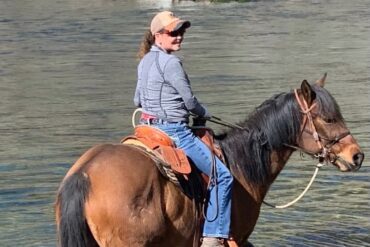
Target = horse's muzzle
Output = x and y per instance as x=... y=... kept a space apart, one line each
x=349 y=166
x=358 y=158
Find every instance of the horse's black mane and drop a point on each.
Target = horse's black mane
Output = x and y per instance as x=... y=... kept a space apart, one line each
x=271 y=125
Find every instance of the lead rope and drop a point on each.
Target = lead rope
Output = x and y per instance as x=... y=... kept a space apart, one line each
x=318 y=166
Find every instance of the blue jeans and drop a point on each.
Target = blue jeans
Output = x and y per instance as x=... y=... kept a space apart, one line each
x=218 y=214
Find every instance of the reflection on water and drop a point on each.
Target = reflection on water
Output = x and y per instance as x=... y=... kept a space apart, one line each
x=68 y=72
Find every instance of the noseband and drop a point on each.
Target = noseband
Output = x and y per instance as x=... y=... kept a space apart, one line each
x=325 y=153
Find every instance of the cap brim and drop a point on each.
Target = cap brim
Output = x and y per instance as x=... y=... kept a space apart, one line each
x=182 y=24
x=177 y=25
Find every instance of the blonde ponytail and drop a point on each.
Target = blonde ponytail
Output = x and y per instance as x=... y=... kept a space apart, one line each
x=145 y=44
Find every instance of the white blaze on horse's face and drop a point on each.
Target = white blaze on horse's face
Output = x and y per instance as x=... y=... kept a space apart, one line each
x=326 y=136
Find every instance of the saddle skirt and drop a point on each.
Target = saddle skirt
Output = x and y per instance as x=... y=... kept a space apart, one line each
x=156 y=142
x=161 y=147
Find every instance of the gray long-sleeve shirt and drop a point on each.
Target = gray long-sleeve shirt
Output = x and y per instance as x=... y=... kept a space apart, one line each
x=163 y=88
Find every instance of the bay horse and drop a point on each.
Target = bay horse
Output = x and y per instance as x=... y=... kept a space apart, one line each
x=114 y=194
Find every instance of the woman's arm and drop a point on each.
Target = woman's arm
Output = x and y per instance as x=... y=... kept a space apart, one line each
x=174 y=74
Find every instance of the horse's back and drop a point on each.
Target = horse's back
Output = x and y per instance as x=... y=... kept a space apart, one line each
x=111 y=158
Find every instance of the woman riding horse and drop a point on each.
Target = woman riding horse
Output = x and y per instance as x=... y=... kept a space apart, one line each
x=164 y=93
x=114 y=194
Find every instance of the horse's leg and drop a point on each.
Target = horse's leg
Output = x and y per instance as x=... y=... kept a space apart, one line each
x=245 y=212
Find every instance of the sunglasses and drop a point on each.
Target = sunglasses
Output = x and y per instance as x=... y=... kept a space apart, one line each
x=175 y=33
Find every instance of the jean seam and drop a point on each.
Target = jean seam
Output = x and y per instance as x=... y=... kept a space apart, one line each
x=223 y=202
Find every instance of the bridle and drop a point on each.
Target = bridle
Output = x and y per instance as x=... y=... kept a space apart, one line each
x=324 y=154
x=324 y=143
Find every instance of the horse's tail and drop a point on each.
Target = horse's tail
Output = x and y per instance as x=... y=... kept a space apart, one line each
x=73 y=230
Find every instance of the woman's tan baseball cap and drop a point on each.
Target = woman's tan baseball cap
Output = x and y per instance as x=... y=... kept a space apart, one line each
x=166 y=20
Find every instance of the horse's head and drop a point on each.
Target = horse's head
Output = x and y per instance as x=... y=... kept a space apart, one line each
x=323 y=131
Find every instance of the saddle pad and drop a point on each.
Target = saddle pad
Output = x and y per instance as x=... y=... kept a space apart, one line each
x=135 y=142
x=171 y=157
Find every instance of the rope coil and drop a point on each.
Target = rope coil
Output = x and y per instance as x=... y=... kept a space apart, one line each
x=134 y=116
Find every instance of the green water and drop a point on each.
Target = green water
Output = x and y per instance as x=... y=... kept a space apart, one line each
x=68 y=71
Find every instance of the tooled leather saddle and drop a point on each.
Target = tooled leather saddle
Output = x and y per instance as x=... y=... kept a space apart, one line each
x=157 y=143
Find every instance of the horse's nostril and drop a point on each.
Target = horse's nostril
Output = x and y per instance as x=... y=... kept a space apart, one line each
x=358 y=158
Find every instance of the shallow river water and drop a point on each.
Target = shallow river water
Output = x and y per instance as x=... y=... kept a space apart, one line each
x=68 y=71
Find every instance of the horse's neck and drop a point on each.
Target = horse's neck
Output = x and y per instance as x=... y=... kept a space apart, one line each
x=258 y=192
x=249 y=197
x=278 y=161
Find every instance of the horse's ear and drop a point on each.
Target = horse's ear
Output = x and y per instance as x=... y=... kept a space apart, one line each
x=321 y=81
x=308 y=94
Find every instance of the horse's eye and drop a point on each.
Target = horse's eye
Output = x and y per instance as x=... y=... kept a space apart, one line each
x=330 y=120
